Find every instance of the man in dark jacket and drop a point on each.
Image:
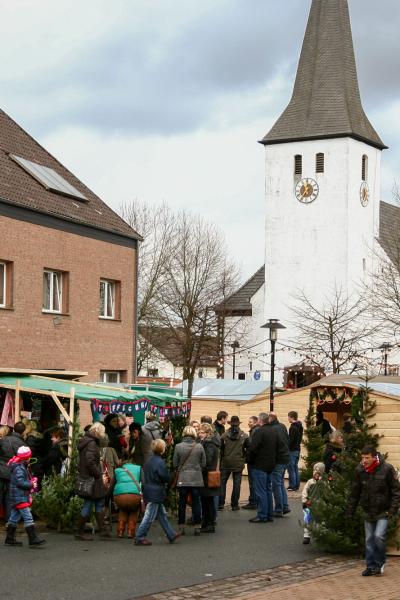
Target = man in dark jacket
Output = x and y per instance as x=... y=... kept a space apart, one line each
x=282 y=462
x=8 y=448
x=262 y=454
x=220 y=422
x=232 y=461
x=252 y=503
x=377 y=489
x=295 y=439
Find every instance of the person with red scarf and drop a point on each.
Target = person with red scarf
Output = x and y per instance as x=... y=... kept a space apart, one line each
x=376 y=488
x=22 y=484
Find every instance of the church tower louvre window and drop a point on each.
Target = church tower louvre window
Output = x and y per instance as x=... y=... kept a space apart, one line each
x=298 y=165
x=364 y=168
x=320 y=162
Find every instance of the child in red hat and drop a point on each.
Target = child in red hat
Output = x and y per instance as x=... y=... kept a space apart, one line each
x=22 y=484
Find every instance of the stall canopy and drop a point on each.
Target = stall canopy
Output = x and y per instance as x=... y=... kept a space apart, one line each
x=103 y=399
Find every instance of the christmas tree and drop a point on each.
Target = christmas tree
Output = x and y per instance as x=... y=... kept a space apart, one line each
x=330 y=528
x=312 y=441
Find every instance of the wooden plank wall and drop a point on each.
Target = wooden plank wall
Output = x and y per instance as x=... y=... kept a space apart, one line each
x=387 y=419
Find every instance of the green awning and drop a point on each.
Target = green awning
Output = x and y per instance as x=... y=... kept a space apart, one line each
x=62 y=388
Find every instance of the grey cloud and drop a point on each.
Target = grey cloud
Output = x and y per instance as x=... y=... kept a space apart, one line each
x=166 y=79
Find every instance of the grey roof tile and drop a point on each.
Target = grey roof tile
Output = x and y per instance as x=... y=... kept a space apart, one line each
x=239 y=302
x=19 y=188
x=389 y=231
x=326 y=99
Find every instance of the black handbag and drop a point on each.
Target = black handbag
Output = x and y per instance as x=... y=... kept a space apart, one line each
x=84 y=486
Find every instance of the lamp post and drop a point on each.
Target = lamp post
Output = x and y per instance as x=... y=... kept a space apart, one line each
x=273 y=325
x=234 y=346
x=386 y=348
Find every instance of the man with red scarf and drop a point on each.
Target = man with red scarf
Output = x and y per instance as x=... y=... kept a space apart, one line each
x=377 y=489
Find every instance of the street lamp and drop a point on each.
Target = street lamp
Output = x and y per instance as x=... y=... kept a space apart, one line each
x=234 y=346
x=386 y=348
x=273 y=325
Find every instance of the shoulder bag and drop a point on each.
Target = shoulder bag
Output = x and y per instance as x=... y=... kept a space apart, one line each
x=139 y=487
x=84 y=487
x=174 y=482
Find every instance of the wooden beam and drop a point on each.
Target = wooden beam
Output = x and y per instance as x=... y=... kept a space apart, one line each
x=60 y=407
x=17 y=401
x=71 y=424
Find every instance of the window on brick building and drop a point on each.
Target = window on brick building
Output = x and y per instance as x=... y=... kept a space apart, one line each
x=6 y=283
x=110 y=299
x=55 y=287
x=110 y=376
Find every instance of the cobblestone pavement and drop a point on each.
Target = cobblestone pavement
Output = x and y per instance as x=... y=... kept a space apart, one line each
x=325 y=578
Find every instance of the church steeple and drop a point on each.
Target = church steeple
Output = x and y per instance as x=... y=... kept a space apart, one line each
x=326 y=99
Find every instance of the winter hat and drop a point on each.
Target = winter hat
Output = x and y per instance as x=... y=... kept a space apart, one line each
x=235 y=421
x=24 y=453
x=319 y=468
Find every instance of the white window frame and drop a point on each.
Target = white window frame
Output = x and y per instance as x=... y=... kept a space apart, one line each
x=109 y=293
x=3 y=266
x=104 y=376
x=55 y=276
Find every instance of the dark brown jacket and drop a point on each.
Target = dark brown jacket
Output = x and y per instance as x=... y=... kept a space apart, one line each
x=89 y=463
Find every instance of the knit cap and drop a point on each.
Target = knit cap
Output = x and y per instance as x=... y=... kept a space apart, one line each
x=24 y=453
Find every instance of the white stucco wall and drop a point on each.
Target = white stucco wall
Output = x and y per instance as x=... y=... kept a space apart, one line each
x=311 y=247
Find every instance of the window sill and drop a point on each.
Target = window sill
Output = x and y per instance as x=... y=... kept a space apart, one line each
x=112 y=319
x=54 y=313
x=6 y=308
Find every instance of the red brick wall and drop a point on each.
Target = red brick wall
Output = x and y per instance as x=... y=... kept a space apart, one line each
x=81 y=341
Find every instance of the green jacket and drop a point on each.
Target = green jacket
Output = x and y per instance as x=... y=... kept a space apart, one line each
x=233 y=451
x=124 y=483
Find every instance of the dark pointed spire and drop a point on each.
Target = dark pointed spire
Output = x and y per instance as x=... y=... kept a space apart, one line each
x=326 y=99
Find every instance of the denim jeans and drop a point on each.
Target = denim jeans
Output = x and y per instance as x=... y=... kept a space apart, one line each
x=293 y=469
x=278 y=488
x=87 y=505
x=237 y=480
x=375 y=543
x=196 y=504
x=17 y=514
x=154 y=510
x=262 y=482
x=252 y=487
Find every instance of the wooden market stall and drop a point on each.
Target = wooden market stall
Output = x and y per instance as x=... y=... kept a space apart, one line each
x=103 y=399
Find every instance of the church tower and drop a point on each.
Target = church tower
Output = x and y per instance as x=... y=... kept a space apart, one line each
x=322 y=161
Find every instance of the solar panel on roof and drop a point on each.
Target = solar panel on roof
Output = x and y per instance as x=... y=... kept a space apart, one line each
x=49 y=178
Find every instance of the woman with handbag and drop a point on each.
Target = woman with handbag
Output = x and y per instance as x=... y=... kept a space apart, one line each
x=89 y=484
x=189 y=460
x=128 y=497
x=211 y=476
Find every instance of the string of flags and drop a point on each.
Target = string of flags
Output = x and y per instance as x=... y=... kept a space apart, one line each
x=130 y=408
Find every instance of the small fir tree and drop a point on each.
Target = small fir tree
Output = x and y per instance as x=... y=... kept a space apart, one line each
x=330 y=528
x=312 y=441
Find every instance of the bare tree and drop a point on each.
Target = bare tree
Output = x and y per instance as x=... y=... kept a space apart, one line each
x=183 y=273
x=198 y=276
x=332 y=336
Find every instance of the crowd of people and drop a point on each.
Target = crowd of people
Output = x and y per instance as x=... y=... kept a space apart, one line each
x=121 y=465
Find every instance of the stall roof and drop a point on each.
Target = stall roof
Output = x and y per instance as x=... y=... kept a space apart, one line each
x=226 y=389
x=83 y=391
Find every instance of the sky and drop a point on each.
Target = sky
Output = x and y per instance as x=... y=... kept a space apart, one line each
x=165 y=100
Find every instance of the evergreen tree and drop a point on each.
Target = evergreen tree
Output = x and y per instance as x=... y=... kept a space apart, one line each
x=312 y=440
x=330 y=528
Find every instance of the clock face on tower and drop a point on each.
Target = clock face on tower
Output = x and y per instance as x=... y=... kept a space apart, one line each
x=306 y=190
x=364 y=193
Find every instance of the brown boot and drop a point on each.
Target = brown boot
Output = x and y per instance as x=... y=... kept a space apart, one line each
x=104 y=530
x=121 y=527
x=132 y=520
x=80 y=533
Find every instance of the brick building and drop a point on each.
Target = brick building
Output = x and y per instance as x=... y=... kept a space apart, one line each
x=68 y=268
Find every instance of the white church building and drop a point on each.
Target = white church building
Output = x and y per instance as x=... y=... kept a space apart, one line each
x=324 y=213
